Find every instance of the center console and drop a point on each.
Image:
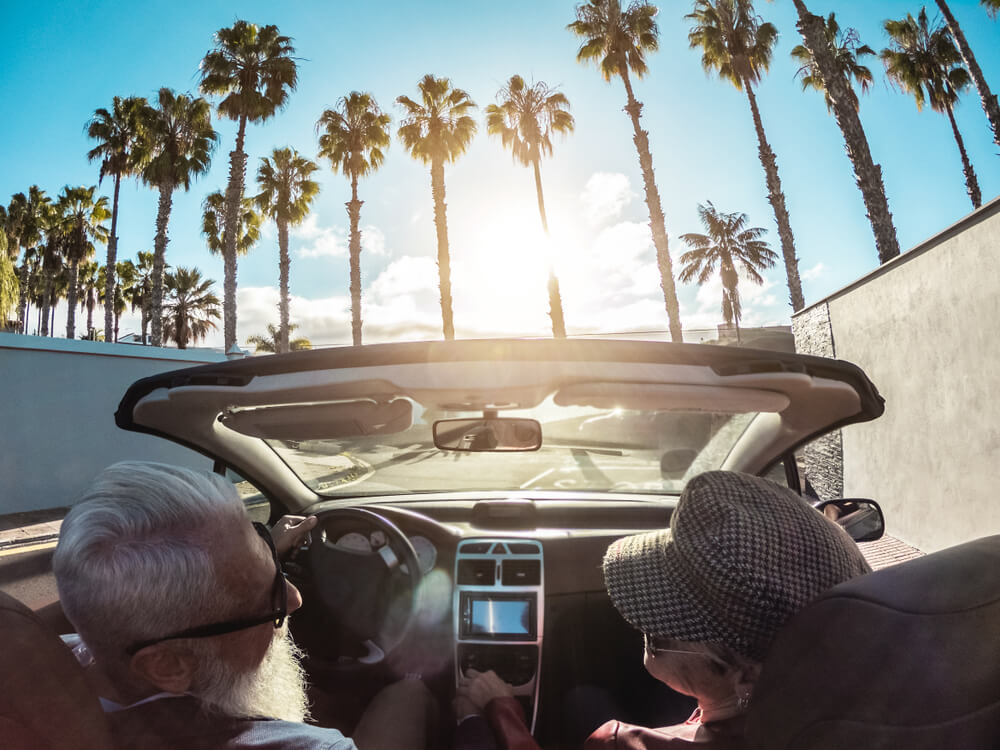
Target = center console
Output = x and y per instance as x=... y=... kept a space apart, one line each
x=498 y=610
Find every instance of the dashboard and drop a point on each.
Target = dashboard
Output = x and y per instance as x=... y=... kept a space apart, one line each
x=515 y=585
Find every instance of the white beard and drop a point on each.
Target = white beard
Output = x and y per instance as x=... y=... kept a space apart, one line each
x=274 y=689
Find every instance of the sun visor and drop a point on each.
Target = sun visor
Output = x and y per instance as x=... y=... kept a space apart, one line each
x=318 y=421
x=672 y=397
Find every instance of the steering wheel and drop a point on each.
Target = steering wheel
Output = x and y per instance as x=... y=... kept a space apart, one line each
x=354 y=587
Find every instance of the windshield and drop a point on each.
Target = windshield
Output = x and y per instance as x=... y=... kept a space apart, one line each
x=584 y=449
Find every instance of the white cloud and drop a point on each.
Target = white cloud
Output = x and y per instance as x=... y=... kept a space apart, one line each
x=373 y=240
x=814 y=273
x=319 y=242
x=333 y=242
x=605 y=196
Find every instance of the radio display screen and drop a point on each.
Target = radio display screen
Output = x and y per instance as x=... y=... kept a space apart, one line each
x=512 y=617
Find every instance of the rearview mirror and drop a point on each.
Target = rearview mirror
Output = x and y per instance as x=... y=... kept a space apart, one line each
x=496 y=434
x=862 y=519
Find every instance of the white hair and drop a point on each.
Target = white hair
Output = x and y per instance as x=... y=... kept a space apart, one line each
x=134 y=556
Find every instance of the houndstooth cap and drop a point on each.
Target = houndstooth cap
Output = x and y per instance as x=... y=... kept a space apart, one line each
x=742 y=556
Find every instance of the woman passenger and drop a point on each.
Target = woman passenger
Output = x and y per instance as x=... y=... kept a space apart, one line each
x=741 y=556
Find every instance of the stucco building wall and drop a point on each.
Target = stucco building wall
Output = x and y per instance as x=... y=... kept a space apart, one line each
x=923 y=327
x=57 y=427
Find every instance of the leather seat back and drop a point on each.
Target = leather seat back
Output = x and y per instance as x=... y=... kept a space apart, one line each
x=46 y=702
x=906 y=657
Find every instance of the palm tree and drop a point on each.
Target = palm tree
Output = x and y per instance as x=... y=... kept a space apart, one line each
x=618 y=40
x=83 y=223
x=525 y=119
x=52 y=261
x=119 y=134
x=87 y=293
x=738 y=46
x=8 y=282
x=142 y=291
x=987 y=97
x=181 y=140
x=28 y=212
x=189 y=307
x=829 y=60
x=248 y=223
x=286 y=193
x=30 y=270
x=252 y=68
x=353 y=137
x=125 y=279
x=924 y=62
x=9 y=251
x=271 y=344
x=732 y=246
x=435 y=131
x=847 y=50
x=992 y=7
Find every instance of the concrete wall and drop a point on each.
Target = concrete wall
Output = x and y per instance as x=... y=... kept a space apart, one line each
x=924 y=328
x=57 y=428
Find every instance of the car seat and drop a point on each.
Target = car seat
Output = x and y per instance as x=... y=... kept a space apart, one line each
x=46 y=702
x=906 y=657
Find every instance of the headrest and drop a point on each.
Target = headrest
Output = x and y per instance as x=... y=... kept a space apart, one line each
x=45 y=700
x=906 y=657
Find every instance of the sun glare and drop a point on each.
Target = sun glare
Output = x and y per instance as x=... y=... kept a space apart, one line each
x=501 y=276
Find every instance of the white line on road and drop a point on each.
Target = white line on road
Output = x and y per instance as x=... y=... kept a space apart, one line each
x=535 y=479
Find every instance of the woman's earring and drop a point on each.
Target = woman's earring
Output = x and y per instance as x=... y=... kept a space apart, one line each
x=743 y=700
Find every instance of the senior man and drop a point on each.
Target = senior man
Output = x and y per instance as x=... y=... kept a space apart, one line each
x=183 y=605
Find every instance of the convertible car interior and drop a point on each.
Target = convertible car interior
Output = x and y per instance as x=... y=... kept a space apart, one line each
x=467 y=491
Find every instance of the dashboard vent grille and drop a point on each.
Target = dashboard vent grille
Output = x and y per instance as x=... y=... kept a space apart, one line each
x=523 y=548
x=521 y=573
x=476 y=548
x=477 y=572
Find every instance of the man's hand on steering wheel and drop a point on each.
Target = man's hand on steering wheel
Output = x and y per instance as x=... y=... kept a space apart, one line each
x=291 y=531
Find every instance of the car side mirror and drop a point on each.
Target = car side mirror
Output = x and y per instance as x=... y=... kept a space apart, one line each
x=862 y=519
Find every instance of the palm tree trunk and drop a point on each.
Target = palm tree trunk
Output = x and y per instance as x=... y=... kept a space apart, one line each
x=971 y=183
x=146 y=305
x=109 y=273
x=354 y=215
x=159 y=261
x=656 y=220
x=90 y=314
x=284 y=263
x=24 y=303
x=181 y=329
x=46 y=302
x=234 y=194
x=988 y=98
x=555 y=298
x=74 y=280
x=52 y=316
x=444 y=259
x=776 y=196
x=868 y=174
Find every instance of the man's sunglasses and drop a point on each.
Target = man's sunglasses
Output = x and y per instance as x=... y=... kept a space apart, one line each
x=279 y=602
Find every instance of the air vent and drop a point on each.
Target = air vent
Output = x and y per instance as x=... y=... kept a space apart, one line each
x=476 y=548
x=523 y=548
x=521 y=573
x=476 y=572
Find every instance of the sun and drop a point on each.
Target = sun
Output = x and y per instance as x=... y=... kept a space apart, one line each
x=500 y=271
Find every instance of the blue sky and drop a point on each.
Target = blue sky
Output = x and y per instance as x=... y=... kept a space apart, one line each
x=65 y=59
